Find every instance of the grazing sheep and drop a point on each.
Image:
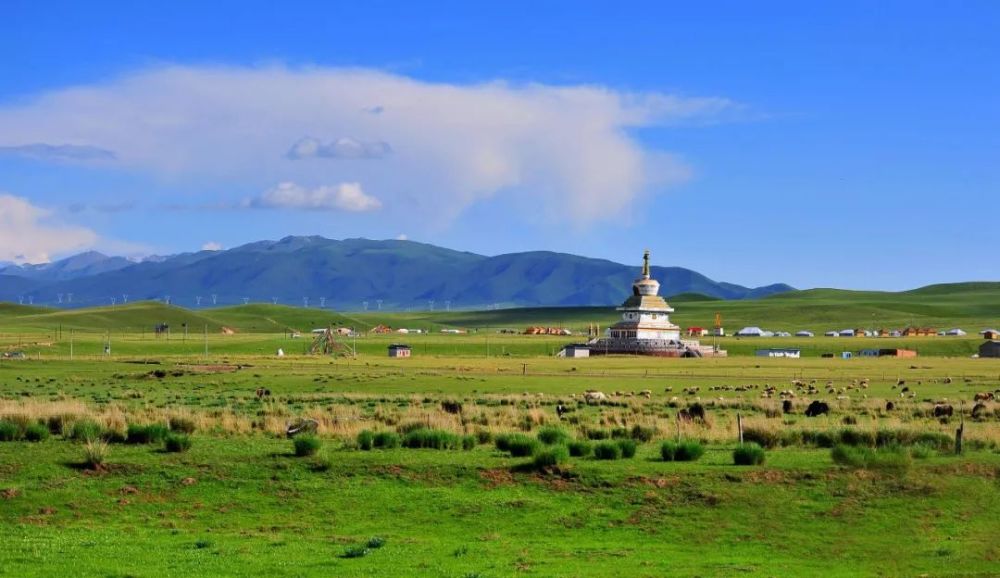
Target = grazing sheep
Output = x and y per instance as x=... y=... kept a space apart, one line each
x=817 y=408
x=978 y=410
x=943 y=410
x=646 y=393
x=263 y=392
x=593 y=397
x=947 y=380
x=983 y=396
x=901 y=382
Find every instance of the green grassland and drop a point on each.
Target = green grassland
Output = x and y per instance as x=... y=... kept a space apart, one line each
x=240 y=503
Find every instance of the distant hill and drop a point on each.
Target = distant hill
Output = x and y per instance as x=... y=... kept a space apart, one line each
x=402 y=274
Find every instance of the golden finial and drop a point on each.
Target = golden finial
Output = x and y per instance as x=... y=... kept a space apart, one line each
x=645 y=264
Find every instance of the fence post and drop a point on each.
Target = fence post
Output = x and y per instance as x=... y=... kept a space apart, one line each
x=739 y=426
x=960 y=431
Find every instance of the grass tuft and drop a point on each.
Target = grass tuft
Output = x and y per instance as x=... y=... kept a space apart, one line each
x=306 y=445
x=749 y=454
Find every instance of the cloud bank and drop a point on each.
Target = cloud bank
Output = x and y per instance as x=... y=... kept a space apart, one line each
x=568 y=153
x=28 y=234
x=343 y=197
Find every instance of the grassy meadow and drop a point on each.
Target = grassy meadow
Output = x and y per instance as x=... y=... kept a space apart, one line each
x=162 y=460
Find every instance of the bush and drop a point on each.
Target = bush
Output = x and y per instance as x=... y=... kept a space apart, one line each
x=579 y=449
x=355 y=552
x=375 y=543
x=366 y=440
x=668 y=451
x=181 y=424
x=889 y=457
x=551 y=456
x=177 y=443
x=748 y=454
x=9 y=431
x=607 y=451
x=628 y=447
x=921 y=451
x=306 y=445
x=386 y=440
x=85 y=430
x=552 y=436
x=689 y=451
x=643 y=434
x=484 y=436
x=518 y=445
x=95 y=453
x=468 y=442
x=146 y=434
x=430 y=438
x=598 y=434
x=854 y=437
x=36 y=432
x=765 y=438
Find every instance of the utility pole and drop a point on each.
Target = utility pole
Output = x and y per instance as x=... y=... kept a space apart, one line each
x=197 y=301
x=246 y=300
x=379 y=302
x=206 y=340
x=215 y=299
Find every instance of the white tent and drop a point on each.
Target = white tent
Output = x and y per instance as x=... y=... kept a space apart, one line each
x=803 y=334
x=956 y=332
x=751 y=332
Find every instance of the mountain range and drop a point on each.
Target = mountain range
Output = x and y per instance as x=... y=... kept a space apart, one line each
x=346 y=273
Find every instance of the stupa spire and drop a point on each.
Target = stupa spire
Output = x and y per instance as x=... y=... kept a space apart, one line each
x=645 y=264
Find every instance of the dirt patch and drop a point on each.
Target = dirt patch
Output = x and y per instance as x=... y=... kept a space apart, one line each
x=9 y=493
x=497 y=477
x=213 y=368
x=661 y=482
x=767 y=476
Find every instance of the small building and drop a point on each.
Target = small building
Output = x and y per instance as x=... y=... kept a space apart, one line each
x=804 y=334
x=380 y=329
x=832 y=334
x=846 y=355
x=780 y=352
x=919 y=332
x=782 y=334
x=847 y=333
x=718 y=332
x=868 y=353
x=399 y=350
x=956 y=332
x=696 y=331
x=990 y=349
x=896 y=352
x=575 y=350
x=990 y=334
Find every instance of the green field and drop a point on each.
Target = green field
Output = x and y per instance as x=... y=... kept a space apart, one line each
x=866 y=490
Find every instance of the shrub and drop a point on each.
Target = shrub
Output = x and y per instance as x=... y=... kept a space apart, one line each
x=468 y=442
x=689 y=451
x=668 y=451
x=748 y=454
x=146 y=434
x=607 y=451
x=519 y=445
x=375 y=542
x=598 y=434
x=430 y=438
x=889 y=457
x=551 y=456
x=552 y=435
x=84 y=430
x=643 y=434
x=628 y=447
x=386 y=440
x=854 y=437
x=9 y=431
x=619 y=433
x=922 y=451
x=763 y=437
x=181 y=424
x=176 y=443
x=484 y=436
x=95 y=453
x=355 y=552
x=306 y=445
x=36 y=432
x=579 y=448
x=366 y=440
x=502 y=442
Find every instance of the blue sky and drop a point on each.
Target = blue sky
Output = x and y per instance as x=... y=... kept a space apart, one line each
x=847 y=144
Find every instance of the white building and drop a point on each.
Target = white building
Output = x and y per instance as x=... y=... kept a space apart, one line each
x=832 y=334
x=803 y=334
x=645 y=315
x=783 y=352
x=847 y=333
x=956 y=332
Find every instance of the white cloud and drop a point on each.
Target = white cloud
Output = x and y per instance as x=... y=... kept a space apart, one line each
x=342 y=148
x=65 y=152
x=343 y=197
x=402 y=237
x=211 y=246
x=28 y=234
x=566 y=152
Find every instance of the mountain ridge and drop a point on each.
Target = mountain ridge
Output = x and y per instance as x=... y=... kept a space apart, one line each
x=345 y=273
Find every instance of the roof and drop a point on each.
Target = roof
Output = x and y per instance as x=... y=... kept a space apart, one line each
x=646 y=302
x=399 y=346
